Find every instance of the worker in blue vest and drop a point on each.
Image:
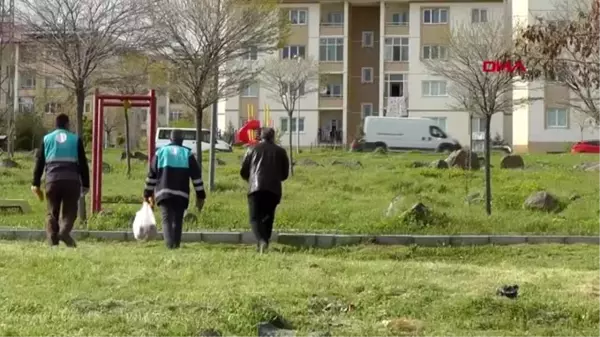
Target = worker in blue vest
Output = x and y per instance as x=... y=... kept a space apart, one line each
x=62 y=155
x=168 y=185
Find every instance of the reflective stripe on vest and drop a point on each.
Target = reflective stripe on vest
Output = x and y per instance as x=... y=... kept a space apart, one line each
x=61 y=146
x=173 y=156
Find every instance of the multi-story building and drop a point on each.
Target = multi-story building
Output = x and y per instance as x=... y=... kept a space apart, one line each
x=372 y=51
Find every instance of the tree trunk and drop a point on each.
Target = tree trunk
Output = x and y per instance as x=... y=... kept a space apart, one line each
x=127 y=145
x=10 y=134
x=488 y=177
x=199 y=115
x=291 y=135
x=80 y=99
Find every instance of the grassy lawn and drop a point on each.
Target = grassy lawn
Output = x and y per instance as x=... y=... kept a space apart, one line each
x=338 y=198
x=145 y=290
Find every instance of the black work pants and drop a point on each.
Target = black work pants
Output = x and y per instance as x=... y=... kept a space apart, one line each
x=261 y=207
x=61 y=195
x=172 y=211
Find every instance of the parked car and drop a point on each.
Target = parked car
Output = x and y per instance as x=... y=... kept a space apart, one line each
x=189 y=139
x=586 y=146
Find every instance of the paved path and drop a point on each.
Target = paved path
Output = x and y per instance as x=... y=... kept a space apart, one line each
x=325 y=240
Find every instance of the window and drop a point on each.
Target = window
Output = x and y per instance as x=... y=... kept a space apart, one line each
x=298 y=16
x=290 y=52
x=51 y=82
x=440 y=122
x=250 y=90
x=366 y=75
x=27 y=81
x=52 y=108
x=477 y=124
x=297 y=124
x=396 y=49
x=334 y=19
x=87 y=107
x=300 y=87
x=367 y=39
x=175 y=115
x=400 y=19
x=366 y=109
x=251 y=54
x=436 y=132
x=395 y=85
x=435 y=16
x=331 y=49
x=479 y=15
x=434 y=52
x=557 y=119
x=434 y=88
x=26 y=104
x=333 y=90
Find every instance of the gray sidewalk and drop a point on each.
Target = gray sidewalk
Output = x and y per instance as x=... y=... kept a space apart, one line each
x=324 y=240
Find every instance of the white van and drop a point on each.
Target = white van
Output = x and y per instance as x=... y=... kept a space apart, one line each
x=406 y=133
x=163 y=136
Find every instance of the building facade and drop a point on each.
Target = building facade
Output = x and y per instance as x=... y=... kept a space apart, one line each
x=372 y=54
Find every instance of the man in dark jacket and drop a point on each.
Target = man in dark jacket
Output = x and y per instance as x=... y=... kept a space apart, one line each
x=168 y=185
x=264 y=167
x=67 y=179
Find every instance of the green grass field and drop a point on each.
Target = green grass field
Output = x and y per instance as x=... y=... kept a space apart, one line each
x=145 y=290
x=337 y=198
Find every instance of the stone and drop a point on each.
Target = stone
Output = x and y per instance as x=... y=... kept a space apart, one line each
x=266 y=329
x=210 y=333
x=541 y=201
x=512 y=161
x=106 y=168
x=592 y=168
x=309 y=162
x=588 y=166
x=574 y=197
x=473 y=198
x=439 y=164
x=9 y=163
x=124 y=155
x=190 y=218
x=418 y=213
x=221 y=162
x=461 y=158
x=140 y=156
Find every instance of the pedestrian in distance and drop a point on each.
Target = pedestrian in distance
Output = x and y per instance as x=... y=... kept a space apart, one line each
x=168 y=185
x=62 y=157
x=265 y=167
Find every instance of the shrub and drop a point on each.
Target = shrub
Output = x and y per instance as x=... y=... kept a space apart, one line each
x=29 y=131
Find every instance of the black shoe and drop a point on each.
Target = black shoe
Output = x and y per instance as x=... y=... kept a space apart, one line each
x=68 y=240
x=53 y=240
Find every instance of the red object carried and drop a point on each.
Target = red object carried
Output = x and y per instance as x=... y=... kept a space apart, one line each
x=587 y=146
x=244 y=133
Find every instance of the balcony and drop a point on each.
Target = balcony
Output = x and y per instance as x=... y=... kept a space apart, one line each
x=332 y=19
x=331 y=102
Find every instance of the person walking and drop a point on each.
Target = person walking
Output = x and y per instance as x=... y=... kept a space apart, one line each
x=265 y=167
x=168 y=186
x=62 y=155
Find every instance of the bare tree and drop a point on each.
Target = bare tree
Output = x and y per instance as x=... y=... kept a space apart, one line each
x=583 y=121
x=206 y=42
x=482 y=94
x=74 y=38
x=287 y=80
x=7 y=73
x=564 y=48
x=112 y=120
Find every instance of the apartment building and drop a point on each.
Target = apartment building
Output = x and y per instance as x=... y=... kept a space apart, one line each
x=372 y=54
x=547 y=124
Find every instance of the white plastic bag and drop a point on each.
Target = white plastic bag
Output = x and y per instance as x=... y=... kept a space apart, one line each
x=144 y=224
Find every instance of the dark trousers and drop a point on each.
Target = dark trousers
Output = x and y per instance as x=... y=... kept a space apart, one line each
x=65 y=195
x=261 y=207
x=172 y=221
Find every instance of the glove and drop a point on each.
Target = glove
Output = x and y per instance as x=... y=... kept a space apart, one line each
x=199 y=204
x=38 y=192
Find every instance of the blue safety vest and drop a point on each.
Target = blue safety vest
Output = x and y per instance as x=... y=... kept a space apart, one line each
x=61 y=146
x=173 y=156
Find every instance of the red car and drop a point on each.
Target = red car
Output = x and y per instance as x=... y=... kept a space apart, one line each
x=586 y=146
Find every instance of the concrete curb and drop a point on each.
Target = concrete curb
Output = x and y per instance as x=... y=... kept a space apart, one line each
x=323 y=240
